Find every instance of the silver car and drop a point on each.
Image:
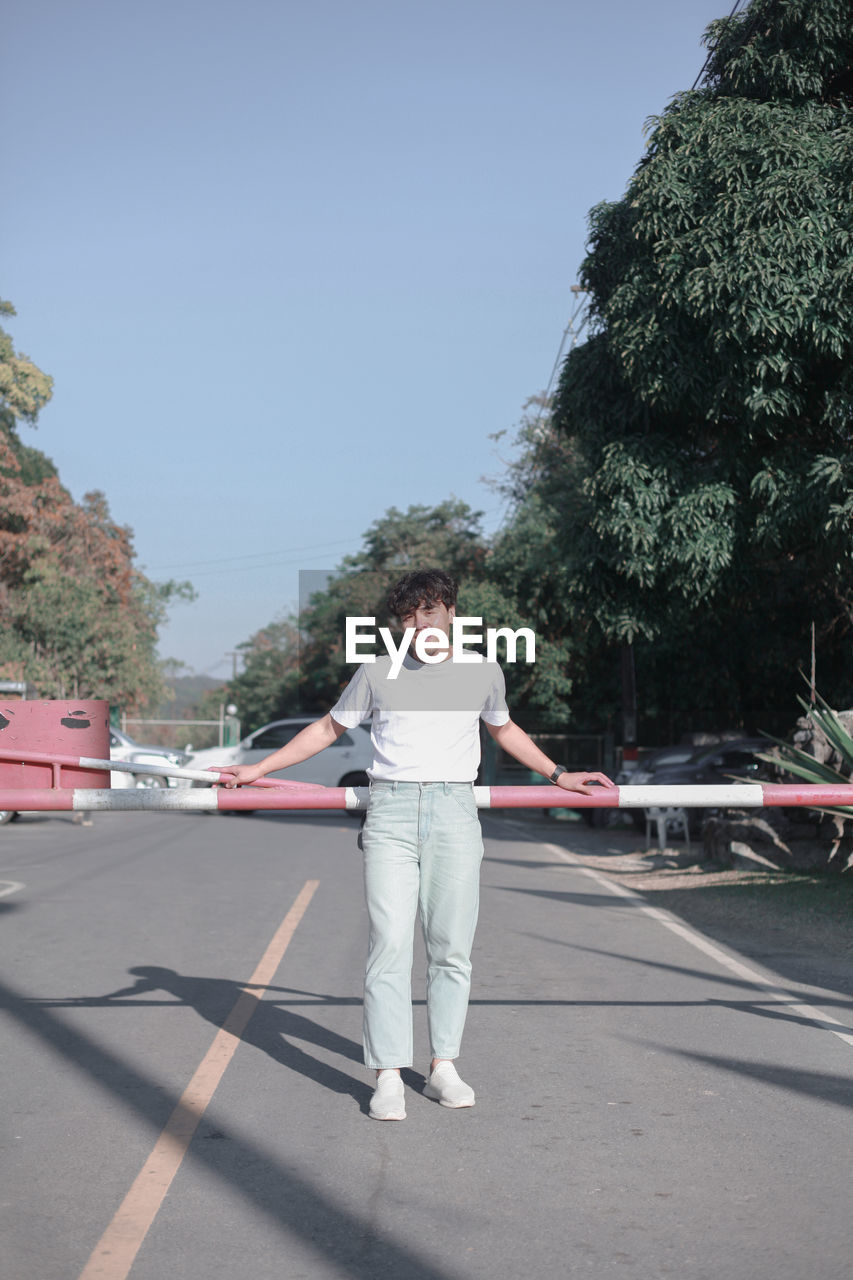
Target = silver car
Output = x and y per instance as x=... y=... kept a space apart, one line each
x=342 y=764
x=125 y=749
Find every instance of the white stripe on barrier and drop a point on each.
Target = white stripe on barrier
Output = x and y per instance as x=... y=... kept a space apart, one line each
x=357 y=797
x=193 y=800
x=735 y=795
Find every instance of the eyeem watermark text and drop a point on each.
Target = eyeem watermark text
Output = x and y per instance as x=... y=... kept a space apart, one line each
x=431 y=644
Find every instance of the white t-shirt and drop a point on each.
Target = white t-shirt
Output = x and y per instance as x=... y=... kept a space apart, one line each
x=425 y=723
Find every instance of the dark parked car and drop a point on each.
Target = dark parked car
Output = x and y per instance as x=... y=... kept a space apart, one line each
x=651 y=761
x=735 y=760
x=721 y=762
x=647 y=767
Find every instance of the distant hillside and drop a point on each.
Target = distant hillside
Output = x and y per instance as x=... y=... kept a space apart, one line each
x=187 y=691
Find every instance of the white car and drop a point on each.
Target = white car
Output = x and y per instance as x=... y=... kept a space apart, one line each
x=125 y=749
x=343 y=764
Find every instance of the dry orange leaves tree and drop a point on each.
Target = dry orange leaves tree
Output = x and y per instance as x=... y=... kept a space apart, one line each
x=77 y=617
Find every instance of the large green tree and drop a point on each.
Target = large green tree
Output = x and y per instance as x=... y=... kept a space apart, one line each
x=537 y=569
x=711 y=520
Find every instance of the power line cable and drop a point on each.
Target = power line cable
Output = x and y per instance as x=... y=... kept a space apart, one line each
x=575 y=334
x=252 y=555
x=246 y=568
x=266 y=564
x=747 y=33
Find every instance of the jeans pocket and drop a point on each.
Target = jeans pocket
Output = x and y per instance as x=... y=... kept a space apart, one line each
x=381 y=803
x=466 y=801
x=379 y=796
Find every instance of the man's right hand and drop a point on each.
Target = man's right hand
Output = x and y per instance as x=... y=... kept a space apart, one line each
x=233 y=775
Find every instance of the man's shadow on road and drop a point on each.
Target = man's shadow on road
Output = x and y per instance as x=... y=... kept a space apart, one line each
x=272 y=1027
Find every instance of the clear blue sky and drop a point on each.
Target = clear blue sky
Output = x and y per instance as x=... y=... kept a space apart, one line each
x=291 y=262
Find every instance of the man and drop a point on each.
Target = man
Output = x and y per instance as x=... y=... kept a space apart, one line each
x=422 y=840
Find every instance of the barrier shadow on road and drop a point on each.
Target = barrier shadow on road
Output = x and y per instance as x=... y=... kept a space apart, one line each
x=759 y=1006
x=272 y=1027
x=745 y=917
x=525 y=864
x=712 y=910
x=565 y=895
x=799 y=943
x=824 y=1086
x=290 y=1200
x=531 y=826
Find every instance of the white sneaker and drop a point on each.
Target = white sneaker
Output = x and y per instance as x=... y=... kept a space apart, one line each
x=447 y=1089
x=389 y=1100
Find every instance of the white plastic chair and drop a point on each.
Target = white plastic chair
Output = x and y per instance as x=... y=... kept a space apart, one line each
x=666 y=821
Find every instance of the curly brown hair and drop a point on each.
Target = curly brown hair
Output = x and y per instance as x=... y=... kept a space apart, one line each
x=422 y=587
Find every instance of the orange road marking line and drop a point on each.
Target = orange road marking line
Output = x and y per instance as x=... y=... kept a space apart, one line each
x=115 y=1252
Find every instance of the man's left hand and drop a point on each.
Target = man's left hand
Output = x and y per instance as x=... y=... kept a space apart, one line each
x=585 y=783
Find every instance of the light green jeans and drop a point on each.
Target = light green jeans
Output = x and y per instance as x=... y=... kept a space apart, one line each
x=422 y=852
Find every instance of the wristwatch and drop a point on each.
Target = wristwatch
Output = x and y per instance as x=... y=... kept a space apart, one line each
x=561 y=768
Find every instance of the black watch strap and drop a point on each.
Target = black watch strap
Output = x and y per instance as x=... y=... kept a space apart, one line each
x=561 y=768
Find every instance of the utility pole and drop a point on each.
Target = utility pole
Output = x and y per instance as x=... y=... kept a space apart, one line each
x=629 y=709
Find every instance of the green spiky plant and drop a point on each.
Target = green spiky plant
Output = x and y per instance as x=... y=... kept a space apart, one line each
x=804 y=766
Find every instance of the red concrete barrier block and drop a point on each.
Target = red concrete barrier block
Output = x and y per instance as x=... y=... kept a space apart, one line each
x=54 y=727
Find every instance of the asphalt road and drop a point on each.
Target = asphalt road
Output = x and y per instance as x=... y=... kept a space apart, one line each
x=644 y=1105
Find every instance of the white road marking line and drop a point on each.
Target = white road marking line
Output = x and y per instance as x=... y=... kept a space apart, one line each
x=775 y=994
x=115 y=1252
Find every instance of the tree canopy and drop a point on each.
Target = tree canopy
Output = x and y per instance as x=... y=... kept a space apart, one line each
x=297 y=665
x=24 y=389
x=690 y=489
x=711 y=409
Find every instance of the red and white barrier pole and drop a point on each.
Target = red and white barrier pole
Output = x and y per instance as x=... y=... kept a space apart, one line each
x=273 y=794
x=38 y=772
